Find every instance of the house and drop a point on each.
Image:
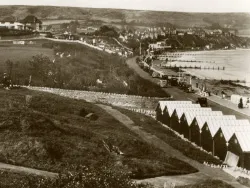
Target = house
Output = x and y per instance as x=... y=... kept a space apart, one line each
x=11 y=23
x=198 y=123
x=159 y=46
x=200 y=32
x=169 y=109
x=239 y=145
x=181 y=34
x=32 y=23
x=223 y=135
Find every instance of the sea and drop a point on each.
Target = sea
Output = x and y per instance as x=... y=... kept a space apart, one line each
x=236 y=63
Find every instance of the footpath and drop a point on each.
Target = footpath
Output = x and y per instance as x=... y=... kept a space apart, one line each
x=205 y=172
x=20 y=169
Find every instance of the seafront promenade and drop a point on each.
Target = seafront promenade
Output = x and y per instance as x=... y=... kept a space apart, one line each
x=227 y=103
x=215 y=102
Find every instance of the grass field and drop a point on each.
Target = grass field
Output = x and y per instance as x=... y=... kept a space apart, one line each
x=208 y=184
x=23 y=53
x=53 y=134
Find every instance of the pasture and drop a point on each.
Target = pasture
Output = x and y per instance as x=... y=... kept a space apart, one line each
x=21 y=53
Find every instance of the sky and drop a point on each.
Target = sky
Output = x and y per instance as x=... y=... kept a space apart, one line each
x=164 y=5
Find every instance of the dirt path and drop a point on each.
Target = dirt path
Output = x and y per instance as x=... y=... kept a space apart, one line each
x=20 y=169
x=204 y=171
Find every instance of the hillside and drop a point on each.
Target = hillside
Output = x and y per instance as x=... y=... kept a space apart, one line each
x=79 y=68
x=181 y=19
x=53 y=133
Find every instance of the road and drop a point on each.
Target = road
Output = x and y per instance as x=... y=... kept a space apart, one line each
x=181 y=95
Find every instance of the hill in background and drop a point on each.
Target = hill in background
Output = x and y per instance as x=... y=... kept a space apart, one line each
x=137 y=17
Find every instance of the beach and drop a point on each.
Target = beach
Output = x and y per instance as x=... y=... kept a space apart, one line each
x=233 y=76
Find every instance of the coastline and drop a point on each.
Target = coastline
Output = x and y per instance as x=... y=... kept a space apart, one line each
x=233 y=80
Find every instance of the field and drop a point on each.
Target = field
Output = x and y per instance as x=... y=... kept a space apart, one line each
x=21 y=53
x=208 y=184
x=52 y=133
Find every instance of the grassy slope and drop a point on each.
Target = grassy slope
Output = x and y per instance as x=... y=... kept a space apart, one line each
x=80 y=71
x=150 y=125
x=208 y=184
x=237 y=20
x=50 y=134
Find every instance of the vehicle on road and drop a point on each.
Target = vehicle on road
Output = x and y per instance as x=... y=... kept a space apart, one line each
x=202 y=101
x=173 y=81
x=163 y=83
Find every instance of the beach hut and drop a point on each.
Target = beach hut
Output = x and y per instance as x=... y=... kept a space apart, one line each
x=208 y=131
x=161 y=105
x=189 y=116
x=211 y=127
x=198 y=123
x=175 y=119
x=239 y=145
x=222 y=137
x=169 y=109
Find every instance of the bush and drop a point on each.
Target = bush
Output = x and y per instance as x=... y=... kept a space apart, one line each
x=104 y=176
x=54 y=149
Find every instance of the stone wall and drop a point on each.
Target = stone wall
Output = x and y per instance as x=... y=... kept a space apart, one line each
x=143 y=104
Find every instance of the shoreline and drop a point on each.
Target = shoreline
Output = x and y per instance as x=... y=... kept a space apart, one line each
x=212 y=50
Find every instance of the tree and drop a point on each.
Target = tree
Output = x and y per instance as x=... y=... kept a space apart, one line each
x=42 y=68
x=9 y=67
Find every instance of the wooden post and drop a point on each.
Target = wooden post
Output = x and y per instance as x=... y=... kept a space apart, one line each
x=30 y=79
x=200 y=137
x=213 y=147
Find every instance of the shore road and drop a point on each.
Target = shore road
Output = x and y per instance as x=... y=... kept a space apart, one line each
x=178 y=94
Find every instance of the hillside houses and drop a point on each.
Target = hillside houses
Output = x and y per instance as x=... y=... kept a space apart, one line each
x=28 y=23
x=11 y=23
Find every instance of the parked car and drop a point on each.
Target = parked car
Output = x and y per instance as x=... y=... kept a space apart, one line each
x=202 y=101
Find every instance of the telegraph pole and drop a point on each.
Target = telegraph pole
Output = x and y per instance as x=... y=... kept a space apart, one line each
x=140 y=48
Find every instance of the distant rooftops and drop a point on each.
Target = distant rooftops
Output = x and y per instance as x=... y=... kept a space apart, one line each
x=27 y=19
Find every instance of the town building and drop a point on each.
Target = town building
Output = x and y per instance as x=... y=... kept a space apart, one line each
x=11 y=23
x=32 y=23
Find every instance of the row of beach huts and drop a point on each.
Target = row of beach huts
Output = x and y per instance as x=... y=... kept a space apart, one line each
x=223 y=135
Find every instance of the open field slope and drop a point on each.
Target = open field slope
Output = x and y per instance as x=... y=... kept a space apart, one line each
x=52 y=133
x=235 y=20
x=74 y=67
x=22 y=54
x=208 y=184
